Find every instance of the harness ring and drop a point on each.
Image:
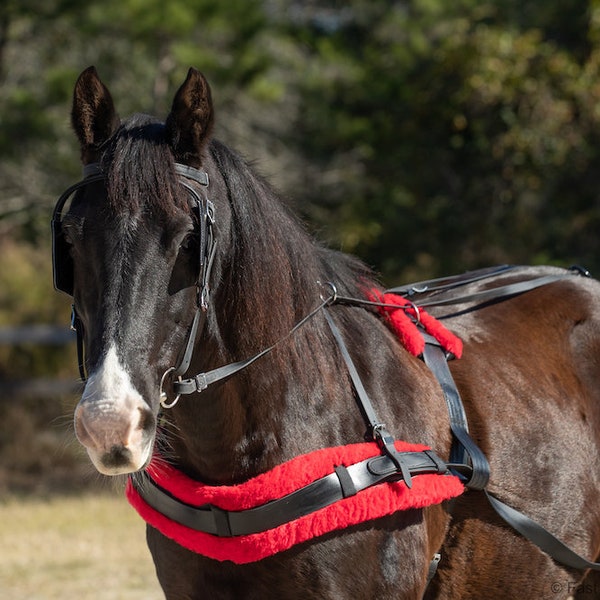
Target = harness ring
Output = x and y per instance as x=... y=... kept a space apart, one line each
x=163 y=394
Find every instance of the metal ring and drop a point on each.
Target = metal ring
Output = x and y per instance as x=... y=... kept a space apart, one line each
x=330 y=299
x=162 y=393
x=416 y=310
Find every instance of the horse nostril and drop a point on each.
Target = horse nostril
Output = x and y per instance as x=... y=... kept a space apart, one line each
x=81 y=431
x=147 y=421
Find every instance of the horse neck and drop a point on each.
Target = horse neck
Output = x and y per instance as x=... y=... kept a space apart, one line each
x=259 y=417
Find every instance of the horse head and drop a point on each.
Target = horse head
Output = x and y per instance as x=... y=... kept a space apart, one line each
x=128 y=246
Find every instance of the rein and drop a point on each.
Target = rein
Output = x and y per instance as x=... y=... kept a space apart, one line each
x=201 y=381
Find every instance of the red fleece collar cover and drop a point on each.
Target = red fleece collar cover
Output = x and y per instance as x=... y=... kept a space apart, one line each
x=372 y=503
x=402 y=321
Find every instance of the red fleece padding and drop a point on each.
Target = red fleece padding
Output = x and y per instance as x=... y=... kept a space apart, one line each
x=406 y=329
x=375 y=502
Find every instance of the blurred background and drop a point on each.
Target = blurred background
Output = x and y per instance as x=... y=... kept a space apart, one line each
x=427 y=137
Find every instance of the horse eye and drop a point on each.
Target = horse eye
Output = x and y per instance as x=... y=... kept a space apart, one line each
x=72 y=229
x=189 y=242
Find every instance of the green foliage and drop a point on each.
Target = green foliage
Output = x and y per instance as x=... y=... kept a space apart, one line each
x=468 y=130
x=428 y=137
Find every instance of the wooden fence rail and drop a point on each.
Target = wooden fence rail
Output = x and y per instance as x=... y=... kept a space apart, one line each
x=43 y=387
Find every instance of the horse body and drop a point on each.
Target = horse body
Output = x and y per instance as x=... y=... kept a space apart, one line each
x=529 y=375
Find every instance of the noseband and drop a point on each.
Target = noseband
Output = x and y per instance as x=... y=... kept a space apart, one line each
x=204 y=211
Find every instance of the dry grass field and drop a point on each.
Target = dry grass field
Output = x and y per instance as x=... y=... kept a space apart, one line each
x=88 y=547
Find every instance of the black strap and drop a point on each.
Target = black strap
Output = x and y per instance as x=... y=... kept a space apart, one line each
x=442 y=285
x=377 y=430
x=191 y=173
x=342 y=483
x=186 y=359
x=539 y=536
x=77 y=327
x=477 y=465
x=393 y=465
x=201 y=381
x=464 y=450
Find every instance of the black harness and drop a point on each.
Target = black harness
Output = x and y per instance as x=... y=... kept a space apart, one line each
x=466 y=458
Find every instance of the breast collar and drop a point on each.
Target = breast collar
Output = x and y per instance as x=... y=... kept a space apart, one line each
x=311 y=495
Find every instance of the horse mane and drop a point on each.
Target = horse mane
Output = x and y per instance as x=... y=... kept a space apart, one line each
x=140 y=169
x=275 y=263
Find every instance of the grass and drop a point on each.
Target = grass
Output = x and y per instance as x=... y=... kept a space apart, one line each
x=91 y=546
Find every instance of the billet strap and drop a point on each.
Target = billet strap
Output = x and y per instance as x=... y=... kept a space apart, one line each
x=344 y=482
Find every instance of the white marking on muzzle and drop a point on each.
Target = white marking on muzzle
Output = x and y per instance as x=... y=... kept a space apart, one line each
x=112 y=420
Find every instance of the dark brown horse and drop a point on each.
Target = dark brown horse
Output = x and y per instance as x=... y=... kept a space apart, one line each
x=174 y=274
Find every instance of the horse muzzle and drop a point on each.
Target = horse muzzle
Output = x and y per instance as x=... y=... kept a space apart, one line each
x=113 y=422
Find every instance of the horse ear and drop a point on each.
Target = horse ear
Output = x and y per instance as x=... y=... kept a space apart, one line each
x=190 y=122
x=93 y=115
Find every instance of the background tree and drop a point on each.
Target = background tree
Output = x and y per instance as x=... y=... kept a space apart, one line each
x=443 y=137
x=428 y=137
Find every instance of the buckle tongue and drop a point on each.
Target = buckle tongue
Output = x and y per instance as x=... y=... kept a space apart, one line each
x=386 y=442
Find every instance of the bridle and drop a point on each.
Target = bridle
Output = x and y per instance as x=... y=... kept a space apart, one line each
x=204 y=212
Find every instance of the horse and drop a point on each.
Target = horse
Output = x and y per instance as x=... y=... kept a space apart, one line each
x=181 y=259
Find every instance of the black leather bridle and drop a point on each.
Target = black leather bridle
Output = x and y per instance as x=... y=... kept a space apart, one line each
x=204 y=211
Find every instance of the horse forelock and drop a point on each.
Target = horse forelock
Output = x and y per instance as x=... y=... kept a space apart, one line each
x=140 y=169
